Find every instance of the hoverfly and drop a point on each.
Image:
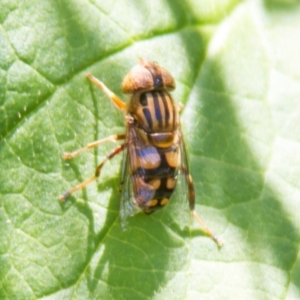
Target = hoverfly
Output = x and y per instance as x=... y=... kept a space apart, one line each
x=153 y=144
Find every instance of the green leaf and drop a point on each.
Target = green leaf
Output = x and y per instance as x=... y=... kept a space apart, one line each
x=236 y=66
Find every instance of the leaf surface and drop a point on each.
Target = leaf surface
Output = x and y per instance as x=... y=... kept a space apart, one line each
x=236 y=66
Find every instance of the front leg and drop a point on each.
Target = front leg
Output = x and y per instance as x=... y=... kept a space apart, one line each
x=113 y=138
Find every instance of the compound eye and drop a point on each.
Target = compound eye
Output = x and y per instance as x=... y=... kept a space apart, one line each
x=162 y=79
x=138 y=79
x=147 y=76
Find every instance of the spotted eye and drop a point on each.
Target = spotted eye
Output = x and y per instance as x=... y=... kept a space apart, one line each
x=147 y=76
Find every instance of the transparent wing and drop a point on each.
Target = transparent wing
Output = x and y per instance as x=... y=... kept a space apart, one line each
x=181 y=193
x=184 y=167
x=127 y=206
x=135 y=192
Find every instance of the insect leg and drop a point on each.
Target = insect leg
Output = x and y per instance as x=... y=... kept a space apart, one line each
x=81 y=185
x=191 y=197
x=112 y=138
x=116 y=100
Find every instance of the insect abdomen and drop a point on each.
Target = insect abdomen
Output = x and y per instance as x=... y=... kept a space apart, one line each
x=153 y=186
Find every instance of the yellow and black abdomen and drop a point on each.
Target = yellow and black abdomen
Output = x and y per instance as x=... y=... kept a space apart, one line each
x=154 y=184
